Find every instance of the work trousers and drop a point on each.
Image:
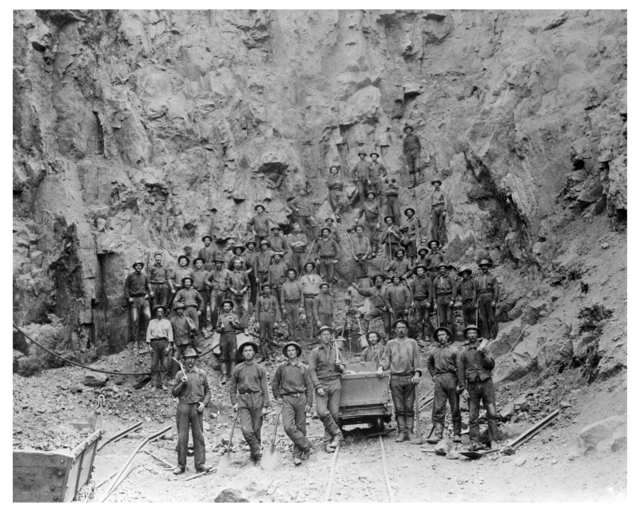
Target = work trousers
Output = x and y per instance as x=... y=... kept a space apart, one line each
x=469 y=312
x=410 y=249
x=438 y=230
x=160 y=294
x=187 y=417
x=422 y=318
x=241 y=308
x=159 y=361
x=445 y=389
x=205 y=307
x=192 y=312
x=260 y=238
x=139 y=309
x=325 y=320
x=308 y=312
x=328 y=407
x=482 y=391
x=445 y=310
x=486 y=313
x=217 y=296
x=266 y=321
x=228 y=348
x=250 y=416
x=297 y=261
x=393 y=209
x=292 y=317
x=362 y=268
x=253 y=290
x=378 y=313
x=336 y=201
x=326 y=269
x=403 y=393
x=362 y=189
x=412 y=157
x=397 y=314
x=294 y=421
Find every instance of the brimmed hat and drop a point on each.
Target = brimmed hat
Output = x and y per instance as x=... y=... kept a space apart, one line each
x=329 y=219
x=324 y=328
x=323 y=283
x=326 y=228
x=190 y=352
x=264 y=242
x=445 y=329
x=309 y=263
x=383 y=276
x=423 y=248
x=374 y=153
x=179 y=305
x=275 y=227
x=358 y=226
x=463 y=270
x=409 y=209
x=266 y=285
x=218 y=259
x=238 y=246
x=361 y=153
x=336 y=167
x=187 y=277
x=207 y=236
x=291 y=270
x=406 y=322
x=452 y=267
x=158 y=254
x=471 y=327
x=399 y=250
x=437 y=242
x=422 y=266
x=484 y=263
x=137 y=262
x=252 y=343
x=396 y=275
x=197 y=260
x=259 y=206
x=389 y=217
x=370 y=193
x=250 y=242
x=155 y=308
x=373 y=332
x=442 y=264
x=288 y=344
x=408 y=127
x=184 y=257
x=437 y=179
x=227 y=302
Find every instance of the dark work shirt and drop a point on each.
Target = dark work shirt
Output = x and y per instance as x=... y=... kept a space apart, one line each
x=474 y=366
x=327 y=248
x=411 y=142
x=444 y=286
x=402 y=357
x=398 y=267
x=322 y=365
x=269 y=305
x=398 y=296
x=195 y=390
x=377 y=296
x=159 y=274
x=135 y=285
x=488 y=283
x=443 y=360
x=292 y=378
x=249 y=377
x=199 y=278
x=190 y=298
x=421 y=288
x=182 y=326
x=323 y=304
x=217 y=279
x=467 y=290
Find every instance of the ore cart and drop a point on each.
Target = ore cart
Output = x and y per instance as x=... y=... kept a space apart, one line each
x=53 y=476
x=365 y=397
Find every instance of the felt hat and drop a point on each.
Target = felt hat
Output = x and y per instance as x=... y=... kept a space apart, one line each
x=158 y=254
x=179 y=305
x=388 y=217
x=324 y=283
x=238 y=246
x=190 y=352
x=406 y=322
x=374 y=153
x=218 y=259
x=484 y=263
x=470 y=328
x=185 y=278
x=249 y=243
x=384 y=277
x=267 y=285
x=291 y=343
x=252 y=343
x=264 y=242
x=291 y=270
x=423 y=248
x=207 y=236
x=155 y=308
x=326 y=228
x=399 y=250
x=329 y=219
x=437 y=242
x=445 y=329
x=182 y=256
x=463 y=270
x=275 y=227
x=422 y=266
x=226 y=302
x=370 y=193
x=313 y=265
x=336 y=167
x=137 y=262
x=394 y=276
x=324 y=328
x=452 y=267
x=408 y=127
x=197 y=260
x=436 y=179
x=442 y=264
x=361 y=153
x=373 y=332
x=358 y=226
x=255 y=208
x=407 y=210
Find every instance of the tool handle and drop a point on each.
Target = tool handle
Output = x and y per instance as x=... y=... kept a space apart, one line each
x=233 y=427
x=275 y=432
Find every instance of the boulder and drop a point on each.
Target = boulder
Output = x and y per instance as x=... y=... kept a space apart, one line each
x=609 y=434
x=533 y=311
x=512 y=366
x=506 y=339
x=95 y=380
x=230 y=496
x=362 y=107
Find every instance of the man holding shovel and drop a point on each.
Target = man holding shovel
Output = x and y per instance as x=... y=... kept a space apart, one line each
x=293 y=389
x=228 y=326
x=249 y=393
x=475 y=383
x=193 y=393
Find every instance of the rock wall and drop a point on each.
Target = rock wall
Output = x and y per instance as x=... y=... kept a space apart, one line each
x=144 y=130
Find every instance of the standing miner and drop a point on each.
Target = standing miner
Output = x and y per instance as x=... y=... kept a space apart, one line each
x=400 y=266
x=249 y=393
x=267 y=313
x=277 y=276
x=402 y=357
x=468 y=295
x=310 y=282
x=228 y=325
x=413 y=227
x=238 y=283
x=391 y=190
x=435 y=258
x=250 y=257
x=411 y=147
x=442 y=363
x=398 y=297
x=371 y=213
x=377 y=173
x=438 y=212
x=159 y=337
x=327 y=253
x=361 y=175
x=324 y=307
x=177 y=278
x=158 y=276
x=474 y=380
x=136 y=291
x=263 y=261
x=335 y=184
x=488 y=296
x=302 y=210
x=380 y=307
x=328 y=223
x=184 y=334
x=208 y=252
x=217 y=281
x=422 y=299
x=192 y=300
x=277 y=242
x=361 y=252
x=292 y=302
x=200 y=284
x=444 y=291
x=293 y=390
x=259 y=224
x=326 y=370
x=193 y=394
x=297 y=241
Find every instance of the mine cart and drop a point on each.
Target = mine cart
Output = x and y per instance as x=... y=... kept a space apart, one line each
x=365 y=397
x=53 y=476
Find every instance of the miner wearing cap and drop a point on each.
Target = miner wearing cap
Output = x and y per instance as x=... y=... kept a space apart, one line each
x=216 y=281
x=371 y=214
x=400 y=266
x=263 y=261
x=335 y=184
x=488 y=296
x=193 y=301
x=328 y=223
x=361 y=251
x=402 y=357
x=236 y=255
x=184 y=334
x=377 y=173
x=302 y=210
x=435 y=257
x=442 y=363
x=474 y=381
x=324 y=307
x=158 y=276
x=193 y=393
x=445 y=289
x=200 y=285
x=413 y=226
x=422 y=259
x=391 y=191
x=159 y=339
x=327 y=253
x=277 y=242
x=259 y=224
x=422 y=299
x=438 y=212
x=136 y=291
x=468 y=295
x=238 y=283
x=267 y=314
x=183 y=270
x=310 y=283
x=208 y=252
x=326 y=370
x=292 y=302
x=250 y=257
x=380 y=307
x=399 y=298
x=228 y=326
x=249 y=391
x=277 y=276
x=361 y=175
x=390 y=236
x=411 y=148
x=293 y=390
x=297 y=241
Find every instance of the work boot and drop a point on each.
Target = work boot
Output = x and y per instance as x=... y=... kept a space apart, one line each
x=307 y=453
x=402 y=429
x=411 y=437
x=297 y=461
x=178 y=471
x=456 y=437
x=437 y=434
x=337 y=439
x=328 y=448
x=494 y=445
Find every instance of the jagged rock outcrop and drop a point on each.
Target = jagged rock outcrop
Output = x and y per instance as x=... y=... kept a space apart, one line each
x=144 y=130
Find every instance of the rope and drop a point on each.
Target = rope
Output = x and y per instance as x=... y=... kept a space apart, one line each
x=387 y=481
x=73 y=362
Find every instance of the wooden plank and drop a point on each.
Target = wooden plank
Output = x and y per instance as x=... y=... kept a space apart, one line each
x=28 y=458
x=35 y=497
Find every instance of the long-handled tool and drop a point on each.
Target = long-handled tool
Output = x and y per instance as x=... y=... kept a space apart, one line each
x=225 y=460
x=272 y=459
x=416 y=407
x=184 y=373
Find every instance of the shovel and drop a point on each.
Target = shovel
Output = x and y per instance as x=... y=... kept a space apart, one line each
x=419 y=439
x=225 y=461
x=272 y=458
x=476 y=455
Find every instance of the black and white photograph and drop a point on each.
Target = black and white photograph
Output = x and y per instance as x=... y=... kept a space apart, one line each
x=311 y=254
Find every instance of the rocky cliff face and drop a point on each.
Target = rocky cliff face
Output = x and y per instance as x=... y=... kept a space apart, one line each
x=144 y=130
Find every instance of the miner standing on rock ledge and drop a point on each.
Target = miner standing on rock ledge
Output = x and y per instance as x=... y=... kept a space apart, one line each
x=361 y=175
x=488 y=296
x=259 y=224
x=411 y=147
x=136 y=290
x=158 y=282
x=438 y=212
